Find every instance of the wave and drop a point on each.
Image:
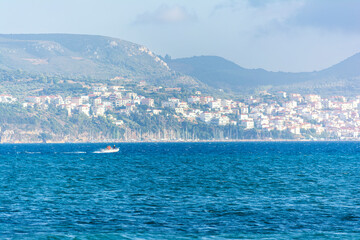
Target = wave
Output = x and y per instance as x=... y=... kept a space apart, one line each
x=77 y=152
x=99 y=152
x=33 y=152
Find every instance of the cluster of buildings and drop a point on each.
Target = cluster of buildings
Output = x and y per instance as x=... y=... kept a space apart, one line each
x=332 y=117
x=317 y=117
x=101 y=99
x=7 y=98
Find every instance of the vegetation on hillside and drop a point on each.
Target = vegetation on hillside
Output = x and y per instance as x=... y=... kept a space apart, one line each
x=83 y=57
x=54 y=124
x=218 y=72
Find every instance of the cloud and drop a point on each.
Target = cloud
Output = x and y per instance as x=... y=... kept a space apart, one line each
x=255 y=16
x=330 y=15
x=278 y=35
x=165 y=15
x=285 y=14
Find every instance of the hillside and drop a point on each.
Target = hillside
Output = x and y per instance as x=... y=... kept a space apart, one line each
x=26 y=125
x=84 y=57
x=349 y=68
x=221 y=73
x=31 y=62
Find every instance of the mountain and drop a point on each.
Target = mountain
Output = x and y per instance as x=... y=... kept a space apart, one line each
x=84 y=56
x=349 y=68
x=221 y=73
x=44 y=58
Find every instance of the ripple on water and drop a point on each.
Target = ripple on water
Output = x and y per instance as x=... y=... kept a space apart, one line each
x=181 y=191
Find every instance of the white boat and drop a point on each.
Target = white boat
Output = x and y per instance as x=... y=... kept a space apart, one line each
x=108 y=150
x=112 y=150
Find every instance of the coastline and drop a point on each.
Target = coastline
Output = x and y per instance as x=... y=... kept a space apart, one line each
x=187 y=141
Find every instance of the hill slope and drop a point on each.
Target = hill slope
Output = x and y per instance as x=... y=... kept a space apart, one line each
x=84 y=56
x=349 y=68
x=221 y=73
x=98 y=58
x=217 y=72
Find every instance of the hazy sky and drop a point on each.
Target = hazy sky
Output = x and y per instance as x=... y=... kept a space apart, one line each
x=286 y=35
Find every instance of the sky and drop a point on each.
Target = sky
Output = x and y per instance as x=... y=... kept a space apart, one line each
x=276 y=35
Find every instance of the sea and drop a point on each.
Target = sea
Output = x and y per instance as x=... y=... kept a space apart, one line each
x=212 y=190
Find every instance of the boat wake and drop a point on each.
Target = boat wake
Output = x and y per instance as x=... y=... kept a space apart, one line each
x=78 y=152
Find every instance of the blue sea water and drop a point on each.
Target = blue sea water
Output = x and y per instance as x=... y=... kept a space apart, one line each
x=254 y=190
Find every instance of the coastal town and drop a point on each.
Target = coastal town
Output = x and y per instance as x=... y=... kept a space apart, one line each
x=307 y=116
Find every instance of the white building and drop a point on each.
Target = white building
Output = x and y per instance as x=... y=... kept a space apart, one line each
x=247 y=124
x=215 y=104
x=99 y=110
x=312 y=98
x=223 y=120
x=84 y=109
x=168 y=104
x=193 y=99
x=206 y=116
x=76 y=100
x=243 y=116
x=6 y=98
x=148 y=102
x=122 y=102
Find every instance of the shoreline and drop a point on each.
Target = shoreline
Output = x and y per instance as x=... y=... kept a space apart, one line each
x=187 y=141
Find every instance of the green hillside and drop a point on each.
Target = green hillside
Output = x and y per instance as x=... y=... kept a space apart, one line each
x=84 y=57
x=31 y=62
x=218 y=72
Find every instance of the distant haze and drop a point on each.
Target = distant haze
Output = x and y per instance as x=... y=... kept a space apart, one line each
x=277 y=35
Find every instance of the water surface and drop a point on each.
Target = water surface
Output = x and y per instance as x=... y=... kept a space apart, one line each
x=181 y=191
